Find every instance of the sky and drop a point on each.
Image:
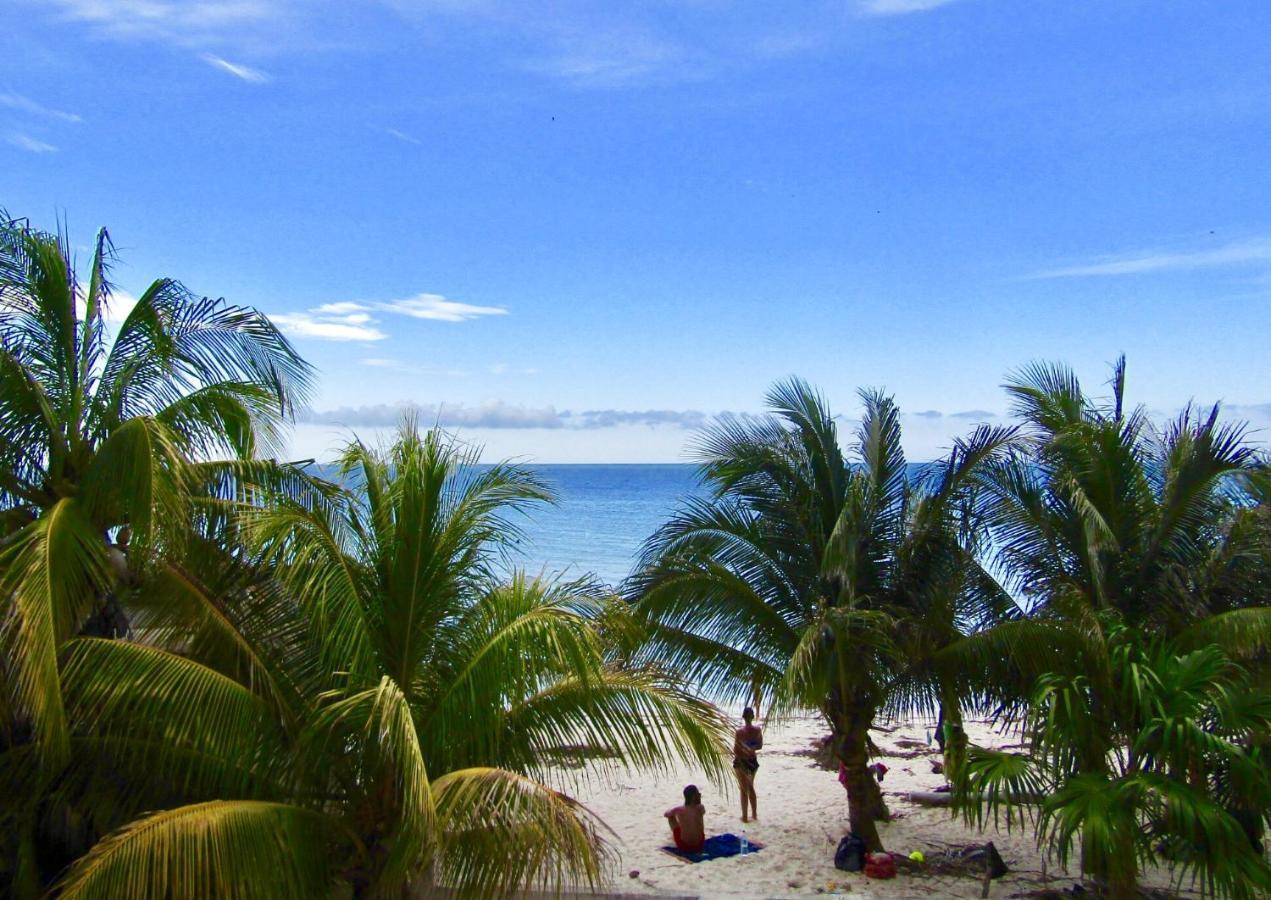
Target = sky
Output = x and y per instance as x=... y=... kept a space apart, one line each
x=574 y=231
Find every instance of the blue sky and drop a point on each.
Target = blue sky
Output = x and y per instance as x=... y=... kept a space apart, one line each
x=580 y=228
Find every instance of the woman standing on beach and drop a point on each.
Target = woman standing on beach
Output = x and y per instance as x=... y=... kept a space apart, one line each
x=746 y=745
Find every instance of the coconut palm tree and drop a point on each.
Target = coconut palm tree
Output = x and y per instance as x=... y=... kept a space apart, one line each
x=831 y=584
x=1102 y=522
x=1101 y=510
x=108 y=435
x=1165 y=758
x=370 y=705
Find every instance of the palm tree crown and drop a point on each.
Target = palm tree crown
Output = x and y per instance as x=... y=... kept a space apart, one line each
x=111 y=438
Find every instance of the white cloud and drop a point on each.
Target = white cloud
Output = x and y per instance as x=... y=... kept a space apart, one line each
x=342 y=308
x=30 y=144
x=396 y=365
x=438 y=308
x=180 y=20
x=898 y=7
x=245 y=73
x=23 y=104
x=1257 y=250
x=402 y=136
x=328 y=327
x=118 y=305
x=612 y=57
x=351 y=320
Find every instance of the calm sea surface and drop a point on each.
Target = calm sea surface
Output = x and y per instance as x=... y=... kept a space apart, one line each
x=605 y=513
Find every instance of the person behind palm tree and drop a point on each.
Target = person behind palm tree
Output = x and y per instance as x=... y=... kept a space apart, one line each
x=746 y=744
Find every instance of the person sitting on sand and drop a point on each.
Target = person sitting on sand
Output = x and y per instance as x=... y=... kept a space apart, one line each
x=746 y=744
x=688 y=822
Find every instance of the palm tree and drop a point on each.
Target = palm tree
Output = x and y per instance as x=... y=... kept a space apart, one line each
x=109 y=444
x=835 y=585
x=1100 y=510
x=370 y=704
x=1181 y=769
x=1101 y=523
x=105 y=442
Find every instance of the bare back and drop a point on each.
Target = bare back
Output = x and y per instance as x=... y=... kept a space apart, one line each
x=691 y=822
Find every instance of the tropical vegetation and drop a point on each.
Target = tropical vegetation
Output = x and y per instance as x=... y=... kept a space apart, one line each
x=312 y=687
x=120 y=431
x=837 y=583
x=1142 y=555
x=222 y=674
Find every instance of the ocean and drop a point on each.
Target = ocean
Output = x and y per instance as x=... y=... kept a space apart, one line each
x=604 y=514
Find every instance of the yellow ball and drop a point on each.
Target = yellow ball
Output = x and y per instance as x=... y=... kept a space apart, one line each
x=917 y=856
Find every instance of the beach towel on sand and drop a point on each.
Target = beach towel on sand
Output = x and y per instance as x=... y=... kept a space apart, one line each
x=716 y=847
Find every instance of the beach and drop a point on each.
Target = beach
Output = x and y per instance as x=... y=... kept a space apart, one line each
x=802 y=816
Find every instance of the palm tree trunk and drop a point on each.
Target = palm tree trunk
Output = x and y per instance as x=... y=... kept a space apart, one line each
x=952 y=736
x=864 y=799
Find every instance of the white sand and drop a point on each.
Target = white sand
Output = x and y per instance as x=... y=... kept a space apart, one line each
x=802 y=816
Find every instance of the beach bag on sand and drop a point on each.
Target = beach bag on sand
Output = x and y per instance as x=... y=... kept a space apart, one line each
x=850 y=855
x=880 y=865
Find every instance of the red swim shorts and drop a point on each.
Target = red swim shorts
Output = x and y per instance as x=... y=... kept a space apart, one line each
x=681 y=844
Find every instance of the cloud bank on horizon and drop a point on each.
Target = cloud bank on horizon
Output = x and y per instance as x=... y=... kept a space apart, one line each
x=499 y=414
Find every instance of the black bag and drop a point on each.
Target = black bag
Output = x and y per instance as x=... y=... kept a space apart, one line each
x=850 y=855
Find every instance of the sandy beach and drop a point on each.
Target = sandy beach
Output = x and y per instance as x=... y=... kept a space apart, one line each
x=802 y=816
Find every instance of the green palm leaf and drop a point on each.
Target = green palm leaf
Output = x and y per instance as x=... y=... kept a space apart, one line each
x=239 y=848
x=50 y=576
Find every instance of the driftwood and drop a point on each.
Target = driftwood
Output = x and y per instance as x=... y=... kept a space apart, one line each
x=945 y=798
x=929 y=798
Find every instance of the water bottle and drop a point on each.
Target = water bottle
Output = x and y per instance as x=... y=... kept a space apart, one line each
x=745 y=844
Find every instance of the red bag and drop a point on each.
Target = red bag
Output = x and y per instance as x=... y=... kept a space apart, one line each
x=880 y=865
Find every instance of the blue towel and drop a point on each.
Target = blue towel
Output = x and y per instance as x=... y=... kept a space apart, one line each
x=716 y=847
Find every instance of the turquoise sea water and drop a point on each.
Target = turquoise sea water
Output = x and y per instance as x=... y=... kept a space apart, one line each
x=605 y=513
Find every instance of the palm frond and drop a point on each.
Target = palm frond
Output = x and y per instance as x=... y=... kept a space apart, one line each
x=223 y=848
x=503 y=831
x=376 y=728
x=51 y=574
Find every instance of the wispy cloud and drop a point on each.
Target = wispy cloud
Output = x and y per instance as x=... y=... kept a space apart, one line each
x=396 y=365
x=505 y=369
x=898 y=7
x=245 y=73
x=331 y=322
x=1240 y=253
x=30 y=144
x=438 y=308
x=27 y=105
x=612 y=57
x=402 y=136
x=176 y=20
x=353 y=320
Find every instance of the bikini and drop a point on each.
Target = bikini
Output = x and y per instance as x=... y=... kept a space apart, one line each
x=747 y=763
